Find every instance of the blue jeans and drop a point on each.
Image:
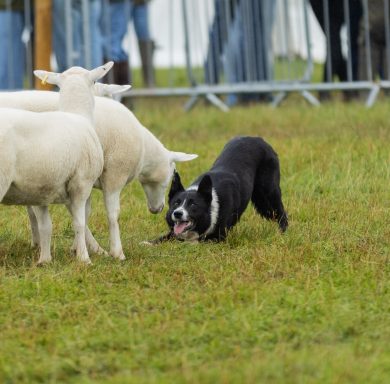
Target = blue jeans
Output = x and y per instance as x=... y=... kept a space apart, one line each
x=12 y=50
x=120 y=14
x=239 y=53
x=59 y=34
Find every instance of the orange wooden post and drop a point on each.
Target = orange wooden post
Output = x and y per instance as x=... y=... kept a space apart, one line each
x=42 y=39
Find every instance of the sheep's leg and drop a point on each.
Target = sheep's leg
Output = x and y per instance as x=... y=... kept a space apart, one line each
x=45 y=227
x=92 y=244
x=112 y=203
x=34 y=227
x=77 y=209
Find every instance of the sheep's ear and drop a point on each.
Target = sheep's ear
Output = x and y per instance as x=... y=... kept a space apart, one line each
x=181 y=156
x=109 y=89
x=48 y=77
x=176 y=186
x=101 y=71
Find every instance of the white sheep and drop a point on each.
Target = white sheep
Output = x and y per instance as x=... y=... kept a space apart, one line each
x=53 y=157
x=130 y=151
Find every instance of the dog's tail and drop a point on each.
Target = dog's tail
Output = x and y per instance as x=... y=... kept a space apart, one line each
x=266 y=195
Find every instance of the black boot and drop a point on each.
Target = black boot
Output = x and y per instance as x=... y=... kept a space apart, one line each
x=121 y=71
x=121 y=75
x=146 y=48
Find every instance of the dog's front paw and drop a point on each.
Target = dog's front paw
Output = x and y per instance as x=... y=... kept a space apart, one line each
x=159 y=240
x=149 y=243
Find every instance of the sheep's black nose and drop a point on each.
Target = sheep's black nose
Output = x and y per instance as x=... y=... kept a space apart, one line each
x=178 y=214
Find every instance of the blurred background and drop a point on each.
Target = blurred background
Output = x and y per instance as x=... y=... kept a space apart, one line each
x=230 y=52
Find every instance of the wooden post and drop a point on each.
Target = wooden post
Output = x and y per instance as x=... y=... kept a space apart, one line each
x=42 y=39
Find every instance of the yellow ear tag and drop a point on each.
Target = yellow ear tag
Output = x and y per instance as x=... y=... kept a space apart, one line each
x=43 y=82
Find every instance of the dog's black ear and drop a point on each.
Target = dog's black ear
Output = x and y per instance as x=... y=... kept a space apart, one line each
x=205 y=187
x=176 y=185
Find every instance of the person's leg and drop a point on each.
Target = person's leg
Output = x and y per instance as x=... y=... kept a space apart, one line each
x=333 y=41
x=268 y=17
x=356 y=12
x=12 y=50
x=95 y=34
x=119 y=15
x=95 y=14
x=105 y=27
x=140 y=15
x=59 y=35
x=318 y=10
x=118 y=21
x=232 y=55
x=256 y=27
x=78 y=33
x=145 y=43
x=339 y=64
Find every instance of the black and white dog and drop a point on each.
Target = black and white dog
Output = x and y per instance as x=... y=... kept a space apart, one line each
x=247 y=169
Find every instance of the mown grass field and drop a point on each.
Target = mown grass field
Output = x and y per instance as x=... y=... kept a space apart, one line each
x=312 y=305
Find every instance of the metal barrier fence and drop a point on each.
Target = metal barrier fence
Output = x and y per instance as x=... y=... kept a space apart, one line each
x=235 y=50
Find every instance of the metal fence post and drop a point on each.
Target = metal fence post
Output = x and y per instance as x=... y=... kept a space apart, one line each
x=69 y=32
x=86 y=34
x=27 y=39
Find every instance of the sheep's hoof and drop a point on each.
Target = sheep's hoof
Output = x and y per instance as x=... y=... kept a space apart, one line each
x=120 y=257
x=86 y=261
x=100 y=251
x=42 y=263
x=94 y=247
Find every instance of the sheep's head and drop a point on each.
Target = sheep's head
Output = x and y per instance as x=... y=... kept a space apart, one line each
x=76 y=87
x=156 y=181
x=89 y=76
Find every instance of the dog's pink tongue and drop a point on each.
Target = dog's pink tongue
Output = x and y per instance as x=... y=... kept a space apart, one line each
x=179 y=228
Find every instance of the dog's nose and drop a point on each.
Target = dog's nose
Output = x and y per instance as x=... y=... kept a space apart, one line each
x=178 y=214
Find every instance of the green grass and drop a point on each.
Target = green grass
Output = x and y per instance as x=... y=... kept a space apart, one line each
x=312 y=305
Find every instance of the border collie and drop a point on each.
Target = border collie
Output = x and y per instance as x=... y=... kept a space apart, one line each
x=247 y=169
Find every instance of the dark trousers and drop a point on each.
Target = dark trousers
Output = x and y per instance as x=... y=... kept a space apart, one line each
x=336 y=20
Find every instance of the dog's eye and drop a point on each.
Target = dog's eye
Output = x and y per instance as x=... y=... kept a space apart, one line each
x=176 y=203
x=192 y=204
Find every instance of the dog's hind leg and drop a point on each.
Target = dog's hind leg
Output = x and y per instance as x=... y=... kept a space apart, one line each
x=279 y=213
x=266 y=195
x=270 y=207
